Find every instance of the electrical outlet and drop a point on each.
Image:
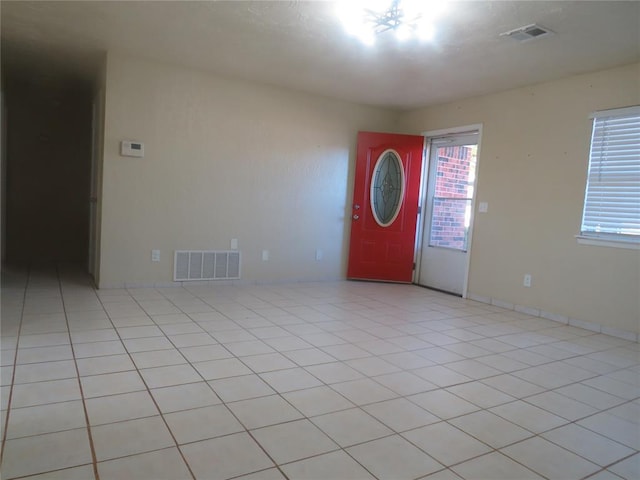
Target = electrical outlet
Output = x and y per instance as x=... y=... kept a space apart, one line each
x=155 y=255
x=527 y=280
x=265 y=255
x=318 y=255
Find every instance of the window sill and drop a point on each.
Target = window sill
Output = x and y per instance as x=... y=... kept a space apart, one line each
x=608 y=242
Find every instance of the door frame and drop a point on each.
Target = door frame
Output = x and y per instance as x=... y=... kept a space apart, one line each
x=3 y=176
x=420 y=234
x=95 y=186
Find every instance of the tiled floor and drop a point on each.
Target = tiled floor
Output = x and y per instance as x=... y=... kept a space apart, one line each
x=339 y=380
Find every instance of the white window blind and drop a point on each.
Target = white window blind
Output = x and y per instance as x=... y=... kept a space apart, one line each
x=612 y=199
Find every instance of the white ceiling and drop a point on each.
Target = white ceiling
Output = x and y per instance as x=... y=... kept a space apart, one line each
x=302 y=45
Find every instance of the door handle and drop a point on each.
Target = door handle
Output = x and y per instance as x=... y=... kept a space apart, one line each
x=356 y=217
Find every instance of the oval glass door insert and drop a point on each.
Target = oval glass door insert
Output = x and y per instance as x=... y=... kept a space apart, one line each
x=387 y=188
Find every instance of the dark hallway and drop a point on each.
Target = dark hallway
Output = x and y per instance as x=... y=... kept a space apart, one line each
x=48 y=166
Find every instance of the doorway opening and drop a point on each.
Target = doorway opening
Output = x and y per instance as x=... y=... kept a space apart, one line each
x=47 y=167
x=442 y=256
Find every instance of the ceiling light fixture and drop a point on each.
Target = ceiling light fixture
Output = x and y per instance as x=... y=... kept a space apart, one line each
x=406 y=18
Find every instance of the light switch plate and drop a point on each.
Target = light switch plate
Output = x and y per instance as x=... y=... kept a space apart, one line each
x=483 y=207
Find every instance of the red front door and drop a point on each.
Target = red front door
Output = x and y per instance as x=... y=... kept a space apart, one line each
x=385 y=207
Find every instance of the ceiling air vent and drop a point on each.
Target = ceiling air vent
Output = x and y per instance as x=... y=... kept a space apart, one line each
x=526 y=33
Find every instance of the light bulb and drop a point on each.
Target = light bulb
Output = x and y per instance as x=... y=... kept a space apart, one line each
x=425 y=31
x=403 y=32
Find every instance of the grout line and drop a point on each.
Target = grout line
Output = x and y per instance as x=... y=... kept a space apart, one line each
x=15 y=365
x=148 y=390
x=247 y=431
x=84 y=404
x=378 y=356
x=280 y=395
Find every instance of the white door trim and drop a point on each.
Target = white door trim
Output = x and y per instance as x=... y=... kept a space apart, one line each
x=477 y=127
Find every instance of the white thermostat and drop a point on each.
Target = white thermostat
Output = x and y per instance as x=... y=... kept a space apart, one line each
x=129 y=148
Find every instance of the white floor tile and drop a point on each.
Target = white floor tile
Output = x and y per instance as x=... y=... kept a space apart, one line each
x=394 y=457
x=629 y=468
x=42 y=453
x=38 y=372
x=405 y=383
x=400 y=414
x=290 y=380
x=168 y=376
x=116 y=408
x=309 y=356
x=111 y=384
x=561 y=405
x=233 y=455
x=614 y=428
x=74 y=473
x=202 y=423
x=372 y=366
x=30 y=394
x=264 y=411
x=446 y=443
x=53 y=417
x=364 y=391
x=331 y=465
x=268 y=362
x=494 y=466
x=480 y=394
x=38 y=354
x=204 y=353
x=241 y=388
x=227 y=367
x=167 y=463
x=334 y=372
x=308 y=368
x=98 y=349
x=293 y=441
x=588 y=444
x=443 y=404
x=441 y=376
x=121 y=439
x=548 y=460
x=349 y=427
x=491 y=429
x=528 y=416
x=268 y=474
x=108 y=364
x=184 y=397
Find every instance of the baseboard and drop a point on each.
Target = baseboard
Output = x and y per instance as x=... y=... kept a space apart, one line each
x=215 y=283
x=574 y=322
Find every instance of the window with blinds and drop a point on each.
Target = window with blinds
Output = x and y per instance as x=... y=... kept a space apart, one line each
x=612 y=199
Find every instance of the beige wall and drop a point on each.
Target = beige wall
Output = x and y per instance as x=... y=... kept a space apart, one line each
x=273 y=168
x=532 y=172
x=225 y=159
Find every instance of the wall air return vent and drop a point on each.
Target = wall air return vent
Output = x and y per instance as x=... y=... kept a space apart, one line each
x=190 y=265
x=527 y=33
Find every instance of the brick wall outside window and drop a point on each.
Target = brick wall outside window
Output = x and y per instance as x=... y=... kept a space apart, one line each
x=454 y=181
